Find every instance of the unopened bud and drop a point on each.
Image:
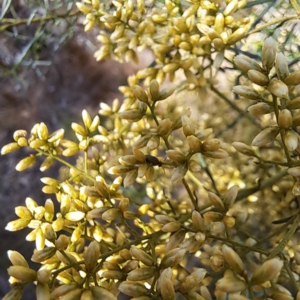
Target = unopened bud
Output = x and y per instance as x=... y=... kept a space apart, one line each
x=260 y=109
x=293 y=78
x=278 y=88
x=269 y=53
x=246 y=92
x=281 y=66
x=285 y=119
x=291 y=139
x=243 y=148
x=258 y=77
x=267 y=271
x=233 y=259
x=266 y=136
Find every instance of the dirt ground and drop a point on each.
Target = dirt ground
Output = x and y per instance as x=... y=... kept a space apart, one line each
x=74 y=81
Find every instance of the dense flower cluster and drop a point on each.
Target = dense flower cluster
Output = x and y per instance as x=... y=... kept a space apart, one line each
x=148 y=210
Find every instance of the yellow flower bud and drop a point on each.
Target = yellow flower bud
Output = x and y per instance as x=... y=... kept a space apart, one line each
x=26 y=163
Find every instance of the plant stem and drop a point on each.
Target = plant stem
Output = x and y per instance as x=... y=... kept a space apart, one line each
x=273 y=22
x=235 y=107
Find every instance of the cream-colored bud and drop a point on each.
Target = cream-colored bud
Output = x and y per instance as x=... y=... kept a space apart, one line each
x=43 y=276
x=164 y=219
x=175 y=240
x=119 y=170
x=293 y=104
x=21 y=273
x=164 y=127
x=167 y=289
x=246 y=92
x=218 y=154
x=269 y=53
x=171 y=227
x=91 y=255
x=230 y=196
x=113 y=274
x=231 y=285
x=42 y=291
x=87 y=295
x=212 y=216
x=293 y=78
x=198 y=221
x=140 y=93
x=142 y=256
x=245 y=63
x=65 y=257
x=176 y=156
x=179 y=172
x=194 y=143
x=75 y=216
x=187 y=126
x=266 y=136
x=14 y=294
x=267 y=271
x=194 y=166
x=131 y=115
x=173 y=258
x=133 y=289
x=130 y=178
x=281 y=66
x=111 y=214
x=62 y=290
x=285 y=119
x=211 y=145
x=216 y=201
x=243 y=148
x=295 y=172
x=291 y=139
x=260 y=108
x=233 y=259
x=154 y=90
x=141 y=274
x=101 y=293
x=125 y=253
x=258 y=77
x=278 y=88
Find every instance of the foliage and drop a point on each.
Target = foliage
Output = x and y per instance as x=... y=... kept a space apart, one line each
x=157 y=206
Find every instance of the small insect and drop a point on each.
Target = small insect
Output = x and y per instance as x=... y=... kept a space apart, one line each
x=152 y=160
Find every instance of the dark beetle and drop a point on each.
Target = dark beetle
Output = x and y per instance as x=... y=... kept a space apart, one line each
x=152 y=160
